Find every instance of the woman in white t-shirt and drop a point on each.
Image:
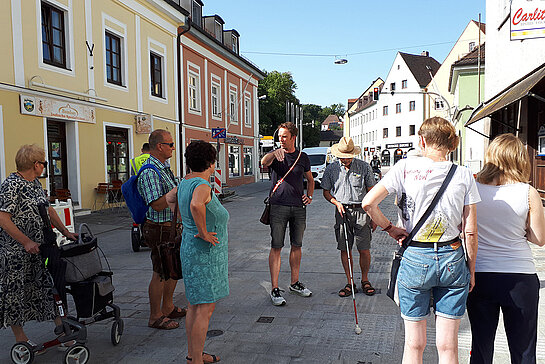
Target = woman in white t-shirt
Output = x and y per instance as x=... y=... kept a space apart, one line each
x=434 y=262
x=510 y=215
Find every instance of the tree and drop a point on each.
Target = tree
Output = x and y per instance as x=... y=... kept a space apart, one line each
x=279 y=88
x=334 y=109
x=312 y=122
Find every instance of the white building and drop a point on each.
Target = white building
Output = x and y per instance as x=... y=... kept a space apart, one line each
x=402 y=104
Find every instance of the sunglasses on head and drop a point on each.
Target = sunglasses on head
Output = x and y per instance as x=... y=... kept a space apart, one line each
x=169 y=144
x=44 y=163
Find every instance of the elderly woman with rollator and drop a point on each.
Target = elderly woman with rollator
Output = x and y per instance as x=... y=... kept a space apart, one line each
x=204 y=246
x=505 y=275
x=26 y=286
x=434 y=263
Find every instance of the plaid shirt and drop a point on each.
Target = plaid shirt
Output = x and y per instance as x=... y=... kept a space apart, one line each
x=152 y=187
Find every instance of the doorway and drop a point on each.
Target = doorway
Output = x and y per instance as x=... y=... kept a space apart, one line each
x=56 y=146
x=117 y=154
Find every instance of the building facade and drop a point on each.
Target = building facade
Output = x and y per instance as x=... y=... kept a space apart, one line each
x=89 y=80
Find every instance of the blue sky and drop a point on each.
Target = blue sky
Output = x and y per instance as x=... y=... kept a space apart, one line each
x=378 y=29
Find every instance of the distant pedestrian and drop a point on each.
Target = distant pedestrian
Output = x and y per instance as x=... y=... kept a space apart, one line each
x=204 y=247
x=137 y=162
x=433 y=263
x=375 y=165
x=153 y=189
x=345 y=183
x=509 y=216
x=288 y=205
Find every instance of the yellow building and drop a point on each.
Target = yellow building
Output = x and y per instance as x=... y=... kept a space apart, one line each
x=86 y=80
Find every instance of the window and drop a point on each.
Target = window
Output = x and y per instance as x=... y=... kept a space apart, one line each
x=471 y=46
x=411 y=130
x=216 y=99
x=398 y=108
x=194 y=91
x=156 y=65
x=218 y=31
x=393 y=86
x=196 y=13
x=439 y=104
x=233 y=109
x=234 y=161
x=385 y=110
x=235 y=43
x=53 y=36
x=404 y=84
x=117 y=154
x=247 y=112
x=398 y=131
x=248 y=165
x=113 y=59
x=412 y=105
x=385 y=133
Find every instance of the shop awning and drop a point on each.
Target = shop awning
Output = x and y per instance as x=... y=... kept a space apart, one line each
x=511 y=94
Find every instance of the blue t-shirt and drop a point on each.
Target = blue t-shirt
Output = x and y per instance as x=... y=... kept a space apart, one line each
x=290 y=192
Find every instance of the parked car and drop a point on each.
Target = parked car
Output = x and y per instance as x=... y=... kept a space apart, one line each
x=319 y=157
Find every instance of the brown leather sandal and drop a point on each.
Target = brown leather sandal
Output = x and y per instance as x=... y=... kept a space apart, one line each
x=164 y=323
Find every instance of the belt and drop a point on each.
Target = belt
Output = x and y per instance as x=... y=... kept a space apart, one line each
x=420 y=244
x=166 y=223
x=352 y=205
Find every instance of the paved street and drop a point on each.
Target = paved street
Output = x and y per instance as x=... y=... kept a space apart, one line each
x=319 y=329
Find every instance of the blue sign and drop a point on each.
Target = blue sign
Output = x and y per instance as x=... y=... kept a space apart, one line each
x=218 y=133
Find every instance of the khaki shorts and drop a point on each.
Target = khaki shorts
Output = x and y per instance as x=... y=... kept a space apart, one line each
x=359 y=229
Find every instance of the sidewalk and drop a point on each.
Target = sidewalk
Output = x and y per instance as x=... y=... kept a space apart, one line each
x=319 y=329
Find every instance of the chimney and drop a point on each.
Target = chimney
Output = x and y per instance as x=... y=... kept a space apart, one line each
x=425 y=53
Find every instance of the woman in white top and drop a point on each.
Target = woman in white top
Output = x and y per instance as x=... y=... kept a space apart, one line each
x=434 y=262
x=510 y=215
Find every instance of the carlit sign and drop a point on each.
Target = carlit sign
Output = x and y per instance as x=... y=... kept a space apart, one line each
x=527 y=19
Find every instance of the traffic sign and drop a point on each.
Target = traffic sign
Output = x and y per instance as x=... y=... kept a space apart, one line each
x=219 y=133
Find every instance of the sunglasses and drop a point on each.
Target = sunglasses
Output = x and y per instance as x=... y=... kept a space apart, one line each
x=44 y=163
x=169 y=144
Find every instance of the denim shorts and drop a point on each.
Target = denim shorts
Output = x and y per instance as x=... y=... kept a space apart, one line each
x=281 y=216
x=424 y=272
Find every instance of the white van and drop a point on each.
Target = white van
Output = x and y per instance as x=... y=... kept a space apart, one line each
x=319 y=157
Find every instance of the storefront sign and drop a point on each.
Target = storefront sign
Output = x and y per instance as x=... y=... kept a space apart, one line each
x=51 y=108
x=233 y=140
x=527 y=19
x=399 y=145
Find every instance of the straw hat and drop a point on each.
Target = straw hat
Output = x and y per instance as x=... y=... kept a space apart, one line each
x=345 y=148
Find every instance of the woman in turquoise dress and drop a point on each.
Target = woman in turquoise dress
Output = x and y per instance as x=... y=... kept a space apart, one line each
x=204 y=247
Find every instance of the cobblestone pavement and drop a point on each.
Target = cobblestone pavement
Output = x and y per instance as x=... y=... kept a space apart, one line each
x=319 y=329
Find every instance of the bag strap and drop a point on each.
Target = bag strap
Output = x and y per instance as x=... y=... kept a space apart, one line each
x=432 y=205
x=288 y=172
x=174 y=221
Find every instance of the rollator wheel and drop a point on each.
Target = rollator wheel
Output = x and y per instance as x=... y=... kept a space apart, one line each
x=117 y=331
x=135 y=239
x=76 y=354
x=21 y=353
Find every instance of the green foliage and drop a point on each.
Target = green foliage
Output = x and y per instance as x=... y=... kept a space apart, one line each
x=279 y=88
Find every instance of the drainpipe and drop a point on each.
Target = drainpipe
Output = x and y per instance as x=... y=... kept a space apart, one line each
x=182 y=29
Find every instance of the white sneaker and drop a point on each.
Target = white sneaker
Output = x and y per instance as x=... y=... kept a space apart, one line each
x=299 y=289
x=277 y=298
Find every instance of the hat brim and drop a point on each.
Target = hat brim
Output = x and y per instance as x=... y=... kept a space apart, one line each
x=335 y=151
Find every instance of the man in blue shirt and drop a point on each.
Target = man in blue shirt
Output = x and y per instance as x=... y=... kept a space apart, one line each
x=288 y=204
x=345 y=183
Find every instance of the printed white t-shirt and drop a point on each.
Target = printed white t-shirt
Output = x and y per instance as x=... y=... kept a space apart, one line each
x=415 y=181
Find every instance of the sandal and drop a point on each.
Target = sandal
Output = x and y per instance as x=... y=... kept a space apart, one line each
x=164 y=323
x=177 y=312
x=347 y=291
x=215 y=358
x=367 y=288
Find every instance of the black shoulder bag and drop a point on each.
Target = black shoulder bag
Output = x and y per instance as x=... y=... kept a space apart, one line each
x=396 y=262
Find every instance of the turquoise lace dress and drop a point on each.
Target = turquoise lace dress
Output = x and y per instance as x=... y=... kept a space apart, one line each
x=204 y=265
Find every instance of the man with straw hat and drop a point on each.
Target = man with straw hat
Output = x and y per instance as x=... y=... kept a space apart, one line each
x=345 y=183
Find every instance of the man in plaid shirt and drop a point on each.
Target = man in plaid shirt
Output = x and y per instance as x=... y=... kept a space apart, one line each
x=153 y=189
